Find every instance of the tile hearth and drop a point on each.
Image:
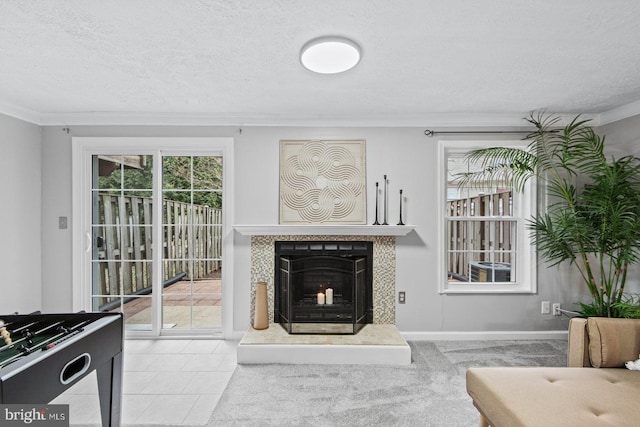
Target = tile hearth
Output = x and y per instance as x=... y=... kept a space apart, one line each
x=374 y=344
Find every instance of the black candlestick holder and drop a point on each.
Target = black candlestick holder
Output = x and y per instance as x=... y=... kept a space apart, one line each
x=376 y=222
x=385 y=201
x=401 y=223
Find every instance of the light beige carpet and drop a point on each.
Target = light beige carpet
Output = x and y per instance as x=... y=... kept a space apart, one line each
x=429 y=392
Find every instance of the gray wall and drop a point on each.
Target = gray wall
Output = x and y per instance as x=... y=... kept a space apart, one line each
x=622 y=138
x=36 y=255
x=404 y=154
x=20 y=213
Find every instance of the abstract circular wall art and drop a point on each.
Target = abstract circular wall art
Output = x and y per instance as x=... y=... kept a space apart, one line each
x=322 y=182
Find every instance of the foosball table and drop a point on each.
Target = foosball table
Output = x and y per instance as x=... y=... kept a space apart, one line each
x=45 y=354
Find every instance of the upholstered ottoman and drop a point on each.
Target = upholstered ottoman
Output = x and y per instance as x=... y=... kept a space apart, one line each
x=567 y=397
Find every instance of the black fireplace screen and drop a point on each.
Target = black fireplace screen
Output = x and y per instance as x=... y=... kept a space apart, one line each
x=323 y=287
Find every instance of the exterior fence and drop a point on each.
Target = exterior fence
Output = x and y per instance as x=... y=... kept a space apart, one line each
x=483 y=233
x=192 y=243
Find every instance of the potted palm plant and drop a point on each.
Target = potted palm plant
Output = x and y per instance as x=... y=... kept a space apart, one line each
x=593 y=218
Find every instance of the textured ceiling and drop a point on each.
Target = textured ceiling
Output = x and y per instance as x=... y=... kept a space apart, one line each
x=239 y=59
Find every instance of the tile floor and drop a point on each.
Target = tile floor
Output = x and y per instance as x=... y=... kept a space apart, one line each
x=170 y=382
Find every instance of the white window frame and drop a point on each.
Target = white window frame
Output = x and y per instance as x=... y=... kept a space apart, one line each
x=82 y=150
x=524 y=208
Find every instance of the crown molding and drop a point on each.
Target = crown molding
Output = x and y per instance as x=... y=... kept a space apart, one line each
x=439 y=121
x=20 y=113
x=237 y=119
x=619 y=113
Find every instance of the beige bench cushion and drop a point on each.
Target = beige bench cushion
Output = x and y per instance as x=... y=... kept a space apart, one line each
x=612 y=342
x=519 y=397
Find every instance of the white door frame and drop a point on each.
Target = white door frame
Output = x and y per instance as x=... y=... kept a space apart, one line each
x=83 y=148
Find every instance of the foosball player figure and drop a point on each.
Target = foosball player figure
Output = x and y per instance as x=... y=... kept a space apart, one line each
x=28 y=335
x=6 y=335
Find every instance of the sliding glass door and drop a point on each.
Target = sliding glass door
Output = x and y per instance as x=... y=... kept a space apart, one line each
x=157 y=233
x=192 y=242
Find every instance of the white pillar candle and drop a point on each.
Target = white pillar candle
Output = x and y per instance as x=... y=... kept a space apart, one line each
x=329 y=296
x=320 y=298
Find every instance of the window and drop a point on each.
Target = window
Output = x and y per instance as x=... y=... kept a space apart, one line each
x=484 y=244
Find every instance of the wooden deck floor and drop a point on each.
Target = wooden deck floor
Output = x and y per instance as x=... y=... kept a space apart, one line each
x=186 y=304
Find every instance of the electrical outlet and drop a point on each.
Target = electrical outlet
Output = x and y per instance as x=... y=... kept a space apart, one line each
x=545 y=309
x=556 y=309
x=401 y=297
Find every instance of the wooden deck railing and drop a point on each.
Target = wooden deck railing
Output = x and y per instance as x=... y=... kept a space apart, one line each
x=474 y=238
x=192 y=242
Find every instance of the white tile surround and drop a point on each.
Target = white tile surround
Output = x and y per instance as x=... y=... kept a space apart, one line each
x=165 y=382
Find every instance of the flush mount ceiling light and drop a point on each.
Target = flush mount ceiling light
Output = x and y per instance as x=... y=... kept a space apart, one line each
x=330 y=55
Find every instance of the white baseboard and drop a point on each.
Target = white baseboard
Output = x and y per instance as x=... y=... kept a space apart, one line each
x=482 y=335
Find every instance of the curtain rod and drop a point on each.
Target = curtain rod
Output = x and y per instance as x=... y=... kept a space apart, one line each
x=430 y=132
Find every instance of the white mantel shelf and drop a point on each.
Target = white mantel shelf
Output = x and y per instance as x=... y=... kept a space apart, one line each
x=323 y=230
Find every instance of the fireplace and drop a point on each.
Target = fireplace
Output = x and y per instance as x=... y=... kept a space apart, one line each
x=323 y=287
